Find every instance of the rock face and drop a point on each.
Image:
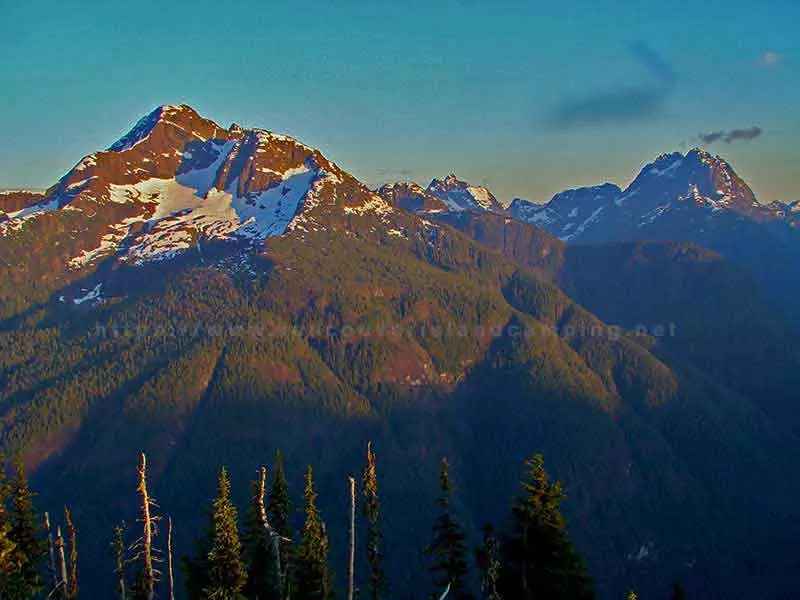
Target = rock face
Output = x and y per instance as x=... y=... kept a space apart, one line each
x=178 y=179
x=412 y=197
x=450 y=194
x=460 y=195
x=15 y=200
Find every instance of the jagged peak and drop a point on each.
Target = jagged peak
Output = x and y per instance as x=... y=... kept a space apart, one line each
x=177 y=115
x=406 y=184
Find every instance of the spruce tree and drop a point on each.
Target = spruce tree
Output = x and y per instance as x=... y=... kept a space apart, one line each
x=377 y=581
x=26 y=535
x=488 y=560
x=279 y=509
x=678 y=593
x=312 y=577
x=262 y=577
x=448 y=549
x=226 y=574
x=539 y=561
x=7 y=546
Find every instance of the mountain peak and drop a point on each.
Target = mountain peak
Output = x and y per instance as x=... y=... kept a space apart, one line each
x=460 y=195
x=182 y=117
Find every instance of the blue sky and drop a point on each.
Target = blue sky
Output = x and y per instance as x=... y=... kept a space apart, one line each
x=526 y=97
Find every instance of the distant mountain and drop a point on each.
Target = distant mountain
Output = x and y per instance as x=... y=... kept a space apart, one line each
x=695 y=198
x=566 y=208
x=460 y=195
x=442 y=195
x=209 y=294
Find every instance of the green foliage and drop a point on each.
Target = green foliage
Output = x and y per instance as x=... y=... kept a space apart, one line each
x=539 y=560
x=678 y=593
x=7 y=545
x=25 y=532
x=226 y=573
x=487 y=557
x=448 y=548
x=312 y=577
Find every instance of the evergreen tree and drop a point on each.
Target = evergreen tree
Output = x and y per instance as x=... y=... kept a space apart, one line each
x=279 y=508
x=7 y=546
x=539 y=560
x=312 y=577
x=632 y=596
x=26 y=535
x=488 y=561
x=448 y=549
x=678 y=593
x=377 y=581
x=226 y=573
x=262 y=578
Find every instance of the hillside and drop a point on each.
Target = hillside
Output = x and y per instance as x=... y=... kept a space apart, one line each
x=209 y=295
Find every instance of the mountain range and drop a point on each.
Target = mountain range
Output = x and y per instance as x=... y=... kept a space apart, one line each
x=210 y=294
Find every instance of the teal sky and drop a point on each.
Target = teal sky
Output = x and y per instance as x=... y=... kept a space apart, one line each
x=526 y=97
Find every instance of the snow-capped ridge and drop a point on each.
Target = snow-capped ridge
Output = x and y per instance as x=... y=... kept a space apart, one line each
x=459 y=195
x=177 y=180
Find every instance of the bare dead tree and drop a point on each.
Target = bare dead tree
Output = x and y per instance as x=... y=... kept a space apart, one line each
x=170 y=577
x=51 y=554
x=144 y=545
x=72 y=588
x=446 y=592
x=271 y=532
x=119 y=554
x=62 y=564
x=351 y=563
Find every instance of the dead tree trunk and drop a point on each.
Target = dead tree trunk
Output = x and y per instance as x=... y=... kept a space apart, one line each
x=51 y=554
x=147 y=534
x=351 y=563
x=273 y=535
x=62 y=564
x=445 y=593
x=119 y=552
x=71 y=591
x=170 y=578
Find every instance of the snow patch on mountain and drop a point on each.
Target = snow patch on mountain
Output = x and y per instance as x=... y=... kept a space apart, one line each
x=459 y=195
x=93 y=296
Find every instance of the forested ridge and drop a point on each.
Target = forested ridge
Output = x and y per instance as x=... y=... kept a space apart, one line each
x=430 y=349
x=655 y=377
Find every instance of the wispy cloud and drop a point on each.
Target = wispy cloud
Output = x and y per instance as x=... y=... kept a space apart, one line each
x=614 y=106
x=734 y=135
x=389 y=173
x=622 y=103
x=658 y=66
x=771 y=58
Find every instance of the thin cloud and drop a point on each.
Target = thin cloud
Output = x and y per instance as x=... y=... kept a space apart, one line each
x=770 y=58
x=622 y=104
x=655 y=63
x=734 y=135
x=396 y=173
x=608 y=107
